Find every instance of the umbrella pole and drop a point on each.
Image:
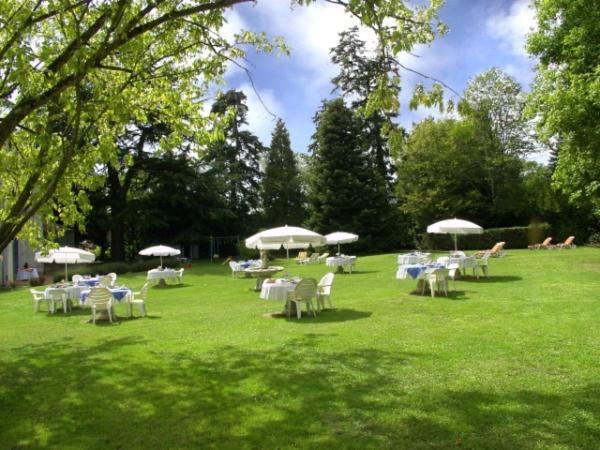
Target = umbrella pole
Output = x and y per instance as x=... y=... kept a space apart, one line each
x=455 y=246
x=66 y=274
x=161 y=261
x=287 y=252
x=338 y=248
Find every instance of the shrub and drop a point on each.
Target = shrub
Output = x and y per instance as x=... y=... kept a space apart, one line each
x=515 y=237
x=33 y=282
x=594 y=239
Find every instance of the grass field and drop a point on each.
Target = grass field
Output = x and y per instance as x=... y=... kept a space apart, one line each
x=508 y=362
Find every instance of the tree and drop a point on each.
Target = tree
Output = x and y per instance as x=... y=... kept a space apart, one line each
x=496 y=98
x=235 y=160
x=441 y=166
x=345 y=192
x=282 y=197
x=565 y=98
x=72 y=74
x=360 y=72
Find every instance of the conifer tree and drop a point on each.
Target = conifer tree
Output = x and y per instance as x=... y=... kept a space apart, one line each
x=281 y=191
x=345 y=191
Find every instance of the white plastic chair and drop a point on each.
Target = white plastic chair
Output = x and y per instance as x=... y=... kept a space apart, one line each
x=321 y=259
x=76 y=279
x=39 y=297
x=452 y=270
x=113 y=277
x=236 y=270
x=438 y=280
x=482 y=263
x=100 y=299
x=139 y=299
x=312 y=259
x=304 y=291
x=58 y=296
x=179 y=275
x=105 y=281
x=324 y=291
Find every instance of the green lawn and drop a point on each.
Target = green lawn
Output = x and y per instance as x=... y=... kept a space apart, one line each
x=508 y=362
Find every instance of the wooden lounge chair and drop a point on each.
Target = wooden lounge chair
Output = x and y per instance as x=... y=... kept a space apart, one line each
x=567 y=244
x=546 y=244
x=496 y=250
x=302 y=256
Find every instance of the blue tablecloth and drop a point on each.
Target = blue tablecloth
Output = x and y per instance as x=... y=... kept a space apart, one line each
x=91 y=282
x=247 y=264
x=416 y=270
x=118 y=294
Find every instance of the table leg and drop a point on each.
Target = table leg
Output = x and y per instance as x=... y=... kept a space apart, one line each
x=259 y=283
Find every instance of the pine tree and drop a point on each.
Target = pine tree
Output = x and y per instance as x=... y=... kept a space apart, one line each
x=281 y=191
x=235 y=161
x=345 y=191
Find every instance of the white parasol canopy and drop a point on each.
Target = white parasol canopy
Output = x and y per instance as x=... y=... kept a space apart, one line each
x=288 y=237
x=66 y=255
x=160 y=250
x=340 y=237
x=454 y=227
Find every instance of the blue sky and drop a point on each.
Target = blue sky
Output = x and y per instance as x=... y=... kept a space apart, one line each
x=483 y=34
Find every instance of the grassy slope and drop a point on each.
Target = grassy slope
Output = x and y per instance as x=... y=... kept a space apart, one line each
x=509 y=362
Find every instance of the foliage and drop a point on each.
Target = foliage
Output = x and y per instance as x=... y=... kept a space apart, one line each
x=346 y=193
x=515 y=237
x=566 y=95
x=496 y=98
x=73 y=75
x=446 y=168
x=234 y=161
x=282 y=196
x=505 y=363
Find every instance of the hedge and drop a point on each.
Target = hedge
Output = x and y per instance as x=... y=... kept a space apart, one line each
x=515 y=237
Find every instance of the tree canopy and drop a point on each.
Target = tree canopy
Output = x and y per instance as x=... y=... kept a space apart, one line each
x=73 y=74
x=566 y=95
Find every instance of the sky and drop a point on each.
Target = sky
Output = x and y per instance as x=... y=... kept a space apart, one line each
x=483 y=34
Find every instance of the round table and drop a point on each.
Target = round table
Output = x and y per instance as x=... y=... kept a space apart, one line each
x=262 y=274
x=341 y=262
x=277 y=290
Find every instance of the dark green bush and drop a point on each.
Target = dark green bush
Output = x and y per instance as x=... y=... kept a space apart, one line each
x=515 y=237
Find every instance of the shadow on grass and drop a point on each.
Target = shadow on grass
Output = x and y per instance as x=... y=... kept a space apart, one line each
x=452 y=295
x=492 y=279
x=326 y=316
x=124 y=393
x=166 y=287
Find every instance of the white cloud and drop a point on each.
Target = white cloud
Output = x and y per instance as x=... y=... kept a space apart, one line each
x=260 y=121
x=510 y=27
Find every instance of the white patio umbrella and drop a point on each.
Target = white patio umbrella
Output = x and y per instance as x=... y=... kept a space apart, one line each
x=66 y=255
x=454 y=227
x=288 y=237
x=340 y=237
x=160 y=250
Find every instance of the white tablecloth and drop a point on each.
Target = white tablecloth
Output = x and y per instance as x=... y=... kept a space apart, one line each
x=341 y=261
x=276 y=291
x=26 y=275
x=157 y=274
x=464 y=262
x=413 y=258
x=73 y=292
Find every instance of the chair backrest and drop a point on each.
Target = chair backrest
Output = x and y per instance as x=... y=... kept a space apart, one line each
x=37 y=294
x=180 y=272
x=105 y=281
x=76 y=279
x=144 y=291
x=569 y=240
x=57 y=294
x=452 y=268
x=546 y=242
x=99 y=296
x=485 y=257
x=325 y=283
x=438 y=274
x=301 y=255
x=113 y=276
x=234 y=266
x=305 y=289
x=324 y=256
x=314 y=258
